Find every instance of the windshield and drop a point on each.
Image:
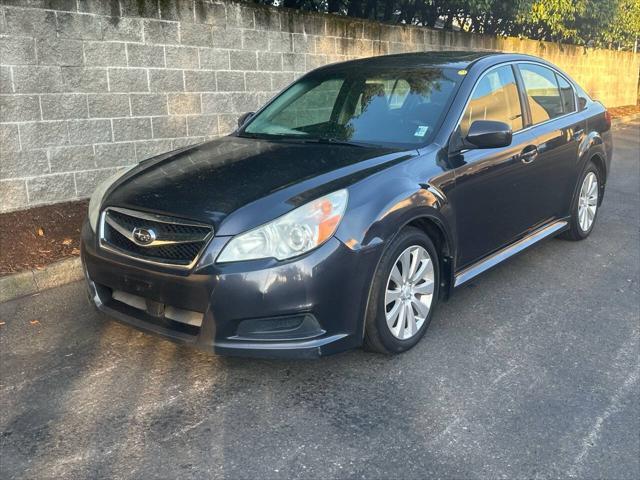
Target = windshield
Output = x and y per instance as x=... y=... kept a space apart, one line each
x=379 y=106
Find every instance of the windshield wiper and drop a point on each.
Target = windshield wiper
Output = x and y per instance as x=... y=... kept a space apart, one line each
x=335 y=141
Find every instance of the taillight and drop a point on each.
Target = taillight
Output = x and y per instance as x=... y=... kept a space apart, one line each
x=607 y=118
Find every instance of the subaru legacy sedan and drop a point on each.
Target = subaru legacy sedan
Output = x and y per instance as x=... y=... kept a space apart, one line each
x=341 y=213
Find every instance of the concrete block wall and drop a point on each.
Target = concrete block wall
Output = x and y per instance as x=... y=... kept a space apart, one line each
x=90 y=86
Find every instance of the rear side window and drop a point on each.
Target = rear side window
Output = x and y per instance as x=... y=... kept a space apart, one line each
x=542 y=91
x=567 y=95
x=495 y=97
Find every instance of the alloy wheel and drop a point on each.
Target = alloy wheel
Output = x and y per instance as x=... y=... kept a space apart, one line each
x=588 y=201
x=409 y=292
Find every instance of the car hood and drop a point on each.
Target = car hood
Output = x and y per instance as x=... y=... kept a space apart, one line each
x=210 y=181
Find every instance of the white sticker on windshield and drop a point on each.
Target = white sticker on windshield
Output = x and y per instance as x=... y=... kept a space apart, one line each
x=421 y=131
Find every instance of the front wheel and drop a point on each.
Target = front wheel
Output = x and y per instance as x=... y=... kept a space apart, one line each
x=585 y=207
x=404 y=293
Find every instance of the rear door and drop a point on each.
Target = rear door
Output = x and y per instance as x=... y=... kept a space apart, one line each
x=556 y=133
x=492 y=197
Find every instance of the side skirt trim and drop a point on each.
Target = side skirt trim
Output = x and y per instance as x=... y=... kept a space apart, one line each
x=508 y=252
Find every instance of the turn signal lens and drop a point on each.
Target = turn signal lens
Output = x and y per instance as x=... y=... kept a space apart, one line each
x=299 y=231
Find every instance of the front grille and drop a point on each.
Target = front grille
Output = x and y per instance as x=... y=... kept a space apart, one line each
x=174 y=242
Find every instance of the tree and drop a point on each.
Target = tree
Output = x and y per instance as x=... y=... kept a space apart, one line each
x=611 y=23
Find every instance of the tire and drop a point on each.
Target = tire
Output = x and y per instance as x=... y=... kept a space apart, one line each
x=577 y=230
x=379 y=333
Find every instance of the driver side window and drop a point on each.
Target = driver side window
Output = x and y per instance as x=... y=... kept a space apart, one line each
x=496 y=98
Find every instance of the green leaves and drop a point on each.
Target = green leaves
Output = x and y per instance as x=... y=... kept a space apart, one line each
x=600 y=23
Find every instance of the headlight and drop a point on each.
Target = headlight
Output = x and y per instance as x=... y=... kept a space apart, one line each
x=293 y=234
x=96 y=198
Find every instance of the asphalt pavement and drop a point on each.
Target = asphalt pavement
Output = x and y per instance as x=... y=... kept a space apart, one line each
x=531 y=371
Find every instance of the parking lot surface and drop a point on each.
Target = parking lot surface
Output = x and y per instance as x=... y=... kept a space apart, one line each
x=531 y=371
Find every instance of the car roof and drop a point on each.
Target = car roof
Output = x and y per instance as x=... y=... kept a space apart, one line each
x=452 y=59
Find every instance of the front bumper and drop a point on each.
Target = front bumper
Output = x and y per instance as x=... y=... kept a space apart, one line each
x=311 y=306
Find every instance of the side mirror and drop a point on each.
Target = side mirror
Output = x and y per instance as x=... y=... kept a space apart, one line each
x=244 y=118
x=488 y=134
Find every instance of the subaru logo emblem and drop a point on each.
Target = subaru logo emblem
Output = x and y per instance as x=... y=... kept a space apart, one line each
x=143 y=236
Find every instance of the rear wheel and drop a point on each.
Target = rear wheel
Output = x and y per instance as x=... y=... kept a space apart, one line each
x=404 y=293
x=585 y=207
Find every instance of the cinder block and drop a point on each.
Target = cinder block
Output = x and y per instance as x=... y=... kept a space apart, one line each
x=105 y=54
x=243 y=60
x=126 y=129
x=9 y=137
x=270 y=61
x=294 y=62
x=239 y=16
x=115 y=154
x=19 y=108
x=13 y=194
x=17 y=51
x=197 y=34
x=186 y=141
x=314 y=25
x=214 y=59
x=59 y=52
x=166 y=80
x=226 y=37
x=51 y=188
x=99 y=7
x=65 y=106
x=211 y=13
x=121 y=29
x=258 y=81
x=30 y=22
x=182 y=57
x=26 y=163
x=62 y=5
x=245 y=102
x=303 y=43
x=267 y=19
x=279 y=80
x=202 y=125
x=280 y=42
x=181 y=11
x=43 y=134
x=6 y=85
x=79 y=25
x=145 y=55
x=200 y=81
x=36 y=79
x=254 y=40
x=230 y=81
x=128 y=80
x=227 y=123
x=148 y=104
x=84 y=132
x=217 y=103
x=183 y=103
x=87 y=181
x=137 y=8
x=69 y=159
x=106 y=105
x=151 y=148
x=79 y=79
x=169 y=127
x=157 y=31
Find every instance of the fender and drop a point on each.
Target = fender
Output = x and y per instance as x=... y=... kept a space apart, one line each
x=385 y=221
x=592 y=145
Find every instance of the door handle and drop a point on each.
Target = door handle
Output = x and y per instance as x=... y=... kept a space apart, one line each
x=529 y=154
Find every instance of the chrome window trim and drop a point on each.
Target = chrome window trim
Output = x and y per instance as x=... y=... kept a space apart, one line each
x=516 y=63
x=156 y=218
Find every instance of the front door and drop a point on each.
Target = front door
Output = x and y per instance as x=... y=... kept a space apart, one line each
x=490 y=207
